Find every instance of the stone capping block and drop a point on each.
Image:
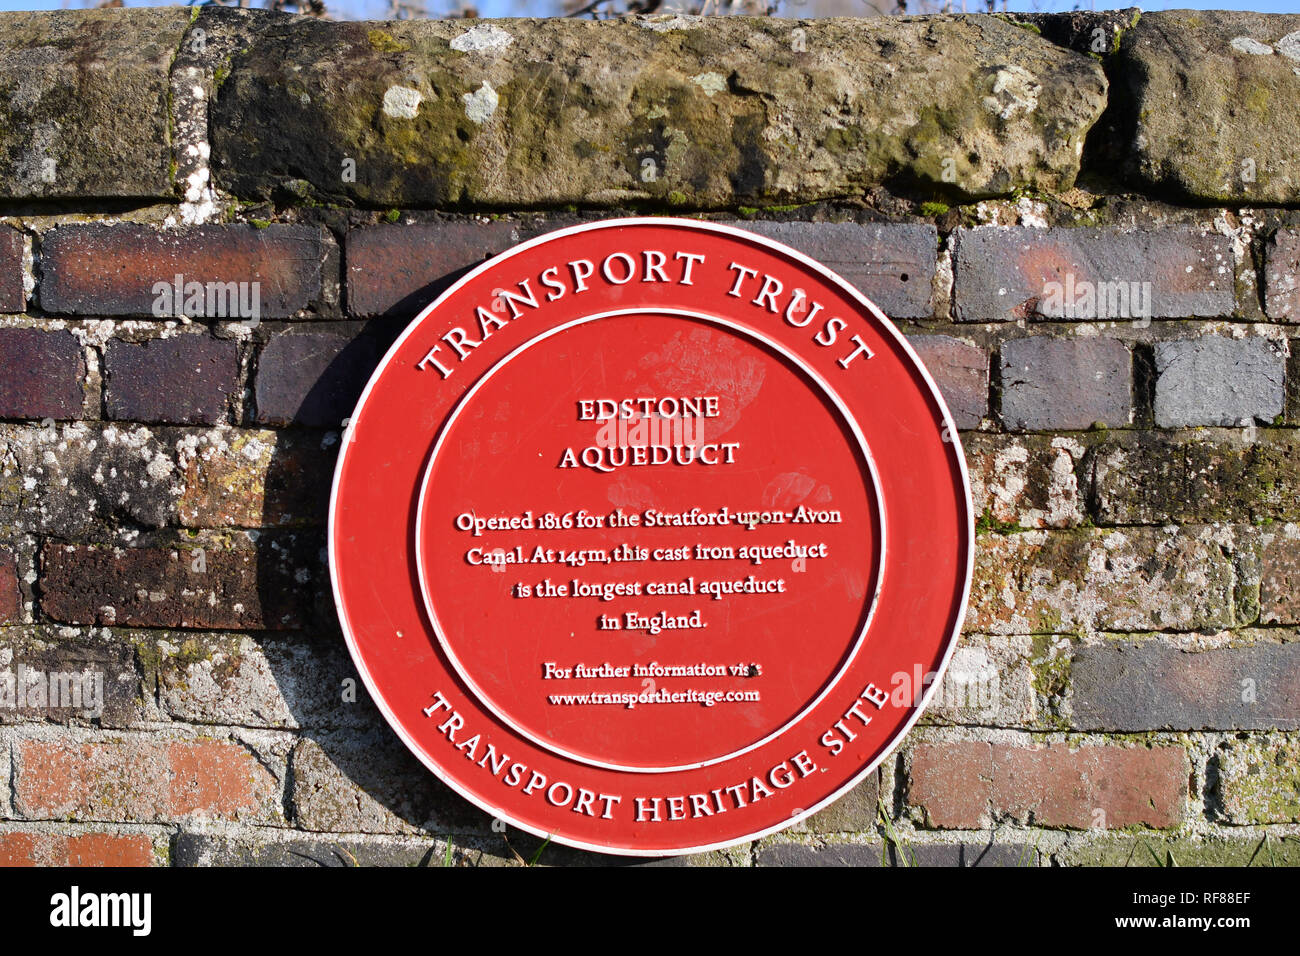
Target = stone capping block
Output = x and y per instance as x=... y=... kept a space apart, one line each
x=697 y=114
x=1004 y=273
x=84 y=102
x=1205 y=91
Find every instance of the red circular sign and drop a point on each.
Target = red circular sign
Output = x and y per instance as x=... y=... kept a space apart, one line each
x=644 y=534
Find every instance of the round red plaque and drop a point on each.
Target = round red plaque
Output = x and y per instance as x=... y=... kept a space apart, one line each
x=651 y=536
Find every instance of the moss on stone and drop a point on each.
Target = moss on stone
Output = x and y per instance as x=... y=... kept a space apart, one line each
x=703 y=119
x=385 y=42
x=1260 y=781
x=1156 y=849
x=988 y=523
x=1051 y=670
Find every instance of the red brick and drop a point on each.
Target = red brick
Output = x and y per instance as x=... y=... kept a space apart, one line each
x=107 y=781
x=974 y=784
x=17 y=849
x=11 y=598
x=953 y=783
x=87 y=849
x=43 y=374
x=212 y=776
x=227 y=587
x=141 y=781
x=108 y=849
x=1279 y=589
x=961 y=371
x=111 y=270
x=182 y=380
x=1282 y=276
x=398 y=270
x=12 y=296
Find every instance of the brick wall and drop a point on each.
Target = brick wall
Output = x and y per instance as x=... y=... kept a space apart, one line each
x=1127 y=687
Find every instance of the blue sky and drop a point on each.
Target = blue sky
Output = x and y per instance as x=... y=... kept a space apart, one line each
x=373 y=9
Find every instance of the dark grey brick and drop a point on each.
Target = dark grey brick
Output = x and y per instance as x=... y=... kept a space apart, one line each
x=892 y=265
x=1293 y=382
x=312 y=378
x=1071 y=383
x=194 y=849
x=103 y=664
x=398 y=270
x=1213 y=380
x=870 y=855
x=1003 y=273
x=12 y=296
x=1147 y=685
x=237 y=582
x=183 y=380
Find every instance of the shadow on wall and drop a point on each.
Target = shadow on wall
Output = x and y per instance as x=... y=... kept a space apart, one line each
x=349 y=773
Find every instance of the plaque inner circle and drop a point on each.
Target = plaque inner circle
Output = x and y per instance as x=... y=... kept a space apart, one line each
x=669 y=539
